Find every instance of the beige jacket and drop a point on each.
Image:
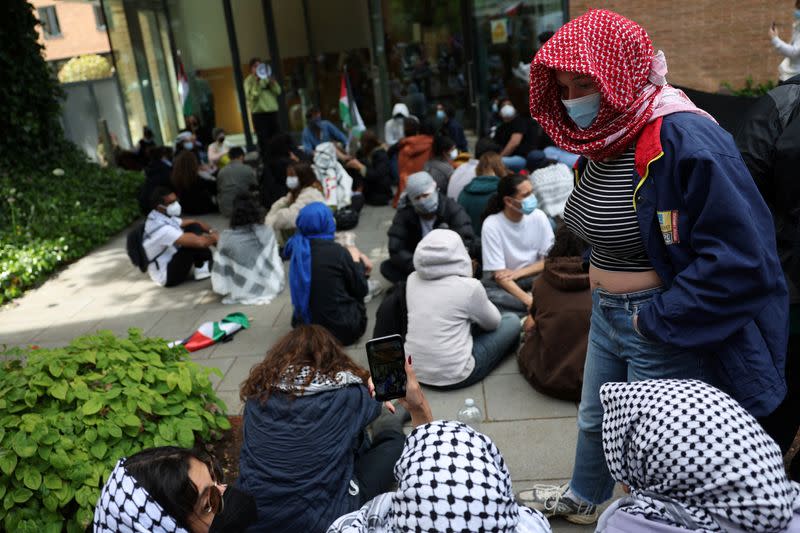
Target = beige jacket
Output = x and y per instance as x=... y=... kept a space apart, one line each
x=282 y=216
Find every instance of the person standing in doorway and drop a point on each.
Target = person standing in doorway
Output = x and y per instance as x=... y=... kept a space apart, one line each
x=790 y=66
x=262 y=91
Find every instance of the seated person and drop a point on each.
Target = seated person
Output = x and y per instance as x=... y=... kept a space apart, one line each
x=393 y=129
x=320 y=131
x=517 y=135
x=170 y=489
x=691 y=459
x=557 y=328
x=440 y=166
x=305 y=455
x=414 y=151
x=450 y=127
x=247 y=267
x=449 y=478
x=195 y=192
x=236 y=178
x=515 y=238
x=337 y=184
x=175 y=247
x=304 y=189
x=156 y=174
x=466 y=172
x=218 y=148
x=422 y=210
x=553 y=185
x=374 y=167
x=476 y=194
x=444 y=303
x=328 y=282
x=282 y=151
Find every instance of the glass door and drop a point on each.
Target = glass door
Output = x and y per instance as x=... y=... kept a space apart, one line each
x=160 y=74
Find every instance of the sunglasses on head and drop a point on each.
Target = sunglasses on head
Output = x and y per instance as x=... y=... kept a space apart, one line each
x=215 y=502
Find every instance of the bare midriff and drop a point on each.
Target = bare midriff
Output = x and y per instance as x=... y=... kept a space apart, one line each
x=623 y=282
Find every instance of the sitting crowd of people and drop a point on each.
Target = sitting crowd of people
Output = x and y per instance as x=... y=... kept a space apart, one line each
x=646 y=285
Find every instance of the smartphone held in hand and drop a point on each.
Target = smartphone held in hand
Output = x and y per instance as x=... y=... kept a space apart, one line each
x=386 y=358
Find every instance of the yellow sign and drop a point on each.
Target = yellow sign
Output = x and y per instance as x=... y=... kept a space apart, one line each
x=499 y=28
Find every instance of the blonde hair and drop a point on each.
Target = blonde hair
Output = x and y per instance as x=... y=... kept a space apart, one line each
x=489 y=164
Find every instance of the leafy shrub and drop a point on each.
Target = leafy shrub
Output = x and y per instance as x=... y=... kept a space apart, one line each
x=86 y=67
x=751 y=88
x=68 y=414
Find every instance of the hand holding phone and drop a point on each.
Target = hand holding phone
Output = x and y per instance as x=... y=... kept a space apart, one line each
x=387 y=359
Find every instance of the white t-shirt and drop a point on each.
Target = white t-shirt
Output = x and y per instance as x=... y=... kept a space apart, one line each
x=160 y=233
x=513 y=245
x=461 y=177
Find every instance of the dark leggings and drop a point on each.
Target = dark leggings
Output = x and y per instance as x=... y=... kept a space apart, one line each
x=375 y=464
x=185 y=258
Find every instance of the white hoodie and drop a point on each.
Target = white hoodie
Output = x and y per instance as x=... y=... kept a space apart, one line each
x=393 y=129
x=443 y=301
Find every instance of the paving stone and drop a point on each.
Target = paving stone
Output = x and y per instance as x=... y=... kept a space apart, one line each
x=120 y=324
x=238 y=372
x=64 y=332
x=446 y=404
x=233 y=404
x=511 y=397
x=251 y=342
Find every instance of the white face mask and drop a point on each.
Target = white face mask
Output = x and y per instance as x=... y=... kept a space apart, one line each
x=292 y=182
x=188 y=145
x=174 y=209
x=508 y=111
x=453 y=153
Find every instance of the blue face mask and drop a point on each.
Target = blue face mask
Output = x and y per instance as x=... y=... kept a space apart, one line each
x=427 y=205
x=583 y=110
x=188 y=146
x=529 y=205
x=797 y=14
x=440 y=114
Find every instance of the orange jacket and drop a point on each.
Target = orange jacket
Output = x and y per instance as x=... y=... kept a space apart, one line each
x=414 y=153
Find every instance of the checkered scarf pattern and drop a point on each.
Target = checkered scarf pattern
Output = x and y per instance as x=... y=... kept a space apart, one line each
x=618 y=54
x=126 y=507
x=690 y=453
x=301 y=386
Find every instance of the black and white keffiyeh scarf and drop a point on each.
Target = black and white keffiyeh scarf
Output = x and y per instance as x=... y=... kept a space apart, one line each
x=126 y=507
x=450 y=479
x=691 y=454
x=300 y=386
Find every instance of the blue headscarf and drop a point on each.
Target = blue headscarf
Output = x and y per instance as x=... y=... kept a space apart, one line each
x=315 y=221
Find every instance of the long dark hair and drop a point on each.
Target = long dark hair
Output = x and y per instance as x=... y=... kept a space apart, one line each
x=442 y=145
x=184 y=171
x=308 y=345
x=305 y=175
x=507 y=186
x=566 y=244
x=246 y=211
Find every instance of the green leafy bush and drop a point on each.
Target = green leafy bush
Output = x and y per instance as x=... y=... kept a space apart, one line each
x=751 y=88
x=68 y=414
x=49 y=219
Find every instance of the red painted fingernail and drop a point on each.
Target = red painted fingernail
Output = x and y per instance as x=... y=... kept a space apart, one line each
x=409 y=359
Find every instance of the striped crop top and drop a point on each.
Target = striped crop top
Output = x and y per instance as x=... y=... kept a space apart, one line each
x=600 y=211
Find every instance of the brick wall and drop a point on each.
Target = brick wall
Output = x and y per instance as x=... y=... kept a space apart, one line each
x=79 y=33
x=708 y=42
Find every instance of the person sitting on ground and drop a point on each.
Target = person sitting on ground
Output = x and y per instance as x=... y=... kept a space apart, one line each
x=195 y=192
x=375 y=169
x=304 y=189
x=553 y=185
x=156 y=174
x=475 y=196
x=450 y=127
x=328 y=282
x=170 y=489
x=247 y=267
x=393 y=129
x=320 y=131
x=466 y=172
x=236 y=178
x=440 y=166
x=422 y=210
x=515 y=238
x=282 y=151
x=218 y=149
x=449 y=478
x=691 y=458
x=175 y=248
x=444 y=303
x=337 y=184
x=517 y=135
x=557 y=327
x=414 y=151
x=305 y=455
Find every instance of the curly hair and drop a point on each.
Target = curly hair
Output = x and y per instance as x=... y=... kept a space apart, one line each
x=567 y=244
x=305 y=346
x=246 y=211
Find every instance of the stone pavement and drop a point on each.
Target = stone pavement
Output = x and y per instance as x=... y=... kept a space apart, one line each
x=535 y=433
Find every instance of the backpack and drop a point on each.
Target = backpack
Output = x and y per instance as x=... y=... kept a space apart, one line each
x=135 y=247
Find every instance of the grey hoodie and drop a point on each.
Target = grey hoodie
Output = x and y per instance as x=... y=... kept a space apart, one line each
x=443 y=302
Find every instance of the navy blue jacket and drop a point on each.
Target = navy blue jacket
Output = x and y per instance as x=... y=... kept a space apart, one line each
x=298 y=457
x=710 y=238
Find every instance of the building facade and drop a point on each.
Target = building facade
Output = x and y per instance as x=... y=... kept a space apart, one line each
x=69 y=29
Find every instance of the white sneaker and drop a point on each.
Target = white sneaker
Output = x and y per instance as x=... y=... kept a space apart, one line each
x=202 y=272
x=375 y=288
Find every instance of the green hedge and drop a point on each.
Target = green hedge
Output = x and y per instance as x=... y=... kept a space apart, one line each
x=49 y=218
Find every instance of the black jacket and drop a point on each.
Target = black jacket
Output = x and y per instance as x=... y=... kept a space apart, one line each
x=406 y=231
x=156 y=174
x=338 y=288
x=378 y=180
x=769 y=140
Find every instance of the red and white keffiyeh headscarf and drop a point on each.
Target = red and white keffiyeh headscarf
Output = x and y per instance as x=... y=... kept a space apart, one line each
x=618 y=54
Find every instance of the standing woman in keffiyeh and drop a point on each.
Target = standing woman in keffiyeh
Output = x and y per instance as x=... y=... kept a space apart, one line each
x=685 y=277
x=692 y=459
x=328 y=282
x=305 y=455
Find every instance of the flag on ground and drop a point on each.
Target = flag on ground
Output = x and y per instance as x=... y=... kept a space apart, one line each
x=210 y=333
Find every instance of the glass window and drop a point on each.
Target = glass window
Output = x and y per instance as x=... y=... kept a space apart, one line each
x=160 y=77
x=49 y=19
x=98 y=17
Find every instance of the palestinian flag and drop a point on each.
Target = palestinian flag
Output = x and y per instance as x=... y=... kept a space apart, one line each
x=210 y=333
x=348 y=110
x=183 y=89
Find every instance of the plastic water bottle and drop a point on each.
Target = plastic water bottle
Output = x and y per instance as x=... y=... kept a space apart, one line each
x=470 y=414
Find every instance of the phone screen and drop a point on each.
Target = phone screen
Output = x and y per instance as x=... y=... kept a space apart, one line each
x=387 y=358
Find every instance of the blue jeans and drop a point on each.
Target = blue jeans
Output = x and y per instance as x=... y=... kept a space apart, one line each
x=618 y=353
x=489 y=348
x=514 y=163
x=562 y=156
